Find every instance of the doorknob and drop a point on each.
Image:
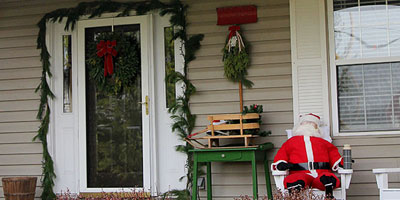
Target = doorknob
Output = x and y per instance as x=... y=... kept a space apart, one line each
x=146 y=103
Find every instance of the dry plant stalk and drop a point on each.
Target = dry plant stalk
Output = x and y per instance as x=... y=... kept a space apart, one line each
x=131 y=195
x=305 y=194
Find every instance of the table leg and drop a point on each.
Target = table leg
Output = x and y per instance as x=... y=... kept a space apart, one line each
x=267 y=178
x=194 y=183
x=254 y=172
x=209 y=182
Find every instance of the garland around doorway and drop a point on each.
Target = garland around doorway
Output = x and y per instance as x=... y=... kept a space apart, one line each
x=183 y=119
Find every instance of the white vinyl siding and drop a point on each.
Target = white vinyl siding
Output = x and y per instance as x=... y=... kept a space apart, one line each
x=270 y=70
x=20 y=72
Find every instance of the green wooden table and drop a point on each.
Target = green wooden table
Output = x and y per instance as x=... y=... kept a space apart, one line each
x=251 y=154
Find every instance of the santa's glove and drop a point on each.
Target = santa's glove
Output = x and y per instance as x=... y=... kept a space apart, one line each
x=329 y=183
x=284 y=166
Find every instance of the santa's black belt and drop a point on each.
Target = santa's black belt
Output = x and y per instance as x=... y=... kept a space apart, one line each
x=309 y=166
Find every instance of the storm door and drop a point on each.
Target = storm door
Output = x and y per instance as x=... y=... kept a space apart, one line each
x=114 y=122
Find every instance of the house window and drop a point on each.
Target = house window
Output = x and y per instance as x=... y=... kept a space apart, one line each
x=67 y=78
x=169 y=65
x=367 y=55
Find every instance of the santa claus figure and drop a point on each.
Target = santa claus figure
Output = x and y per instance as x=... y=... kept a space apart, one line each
x=309 y=158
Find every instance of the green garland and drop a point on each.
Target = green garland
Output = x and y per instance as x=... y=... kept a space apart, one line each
x=184 y=120
x=126 y=63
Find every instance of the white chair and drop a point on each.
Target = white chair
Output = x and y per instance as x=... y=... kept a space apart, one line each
x=382 y=180
x=345 y=174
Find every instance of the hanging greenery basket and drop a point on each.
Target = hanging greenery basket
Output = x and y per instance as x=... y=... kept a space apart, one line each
x=236 y=57
x=125 y=65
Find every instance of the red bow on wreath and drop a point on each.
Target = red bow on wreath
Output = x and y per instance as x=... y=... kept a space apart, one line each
x=233 y=30
x=238 y=40
x=106 y=49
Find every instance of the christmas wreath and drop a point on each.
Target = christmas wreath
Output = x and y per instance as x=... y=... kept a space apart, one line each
x=113 y=61
x=236 y=57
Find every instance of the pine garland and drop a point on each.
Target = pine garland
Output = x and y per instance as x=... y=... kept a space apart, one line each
x=184 y=120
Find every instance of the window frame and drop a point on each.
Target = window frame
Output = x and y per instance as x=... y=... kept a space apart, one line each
x=333 y=63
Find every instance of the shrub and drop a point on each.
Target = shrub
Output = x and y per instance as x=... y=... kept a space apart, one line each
x=305 y=194
x=131 y=195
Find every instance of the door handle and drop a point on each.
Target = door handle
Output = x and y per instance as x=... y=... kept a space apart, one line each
x=146 y=103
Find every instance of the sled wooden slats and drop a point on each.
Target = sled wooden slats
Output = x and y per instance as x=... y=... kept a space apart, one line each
x=229 y=136
x=241 y=127
x=233 y=116
x=234 y=127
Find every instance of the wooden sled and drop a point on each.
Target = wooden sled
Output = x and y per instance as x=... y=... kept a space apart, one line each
x=213 y=139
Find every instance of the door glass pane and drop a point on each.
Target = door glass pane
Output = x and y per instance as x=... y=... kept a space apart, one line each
x=114 y=127
x=169 y=65
x=67 y=74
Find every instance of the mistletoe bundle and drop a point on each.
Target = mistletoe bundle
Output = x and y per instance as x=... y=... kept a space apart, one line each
x=236 y=58
x=113 y=61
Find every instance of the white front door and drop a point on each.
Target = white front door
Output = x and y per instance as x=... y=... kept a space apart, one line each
x=88 y=148
x=114 y=130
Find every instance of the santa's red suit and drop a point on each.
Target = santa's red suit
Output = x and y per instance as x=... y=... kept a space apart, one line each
x=317 y=155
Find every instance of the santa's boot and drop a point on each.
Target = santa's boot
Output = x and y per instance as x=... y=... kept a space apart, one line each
x=295 y=186
x=329 y=183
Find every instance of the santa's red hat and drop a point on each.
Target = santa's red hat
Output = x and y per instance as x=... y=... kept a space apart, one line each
x=310 y=117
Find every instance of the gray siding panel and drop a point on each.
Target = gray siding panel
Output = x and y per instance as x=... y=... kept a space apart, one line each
x=27 y=62
x=270 y=71
x=20 y=72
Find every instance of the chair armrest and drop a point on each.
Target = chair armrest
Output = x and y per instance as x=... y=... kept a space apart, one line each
x=345 y=177
x=386 y=170
x=280 y=173
x=382 y=176
x=279 y=176
x=345 y=171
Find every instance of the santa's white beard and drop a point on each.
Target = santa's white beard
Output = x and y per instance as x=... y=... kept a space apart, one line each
x=306 y=130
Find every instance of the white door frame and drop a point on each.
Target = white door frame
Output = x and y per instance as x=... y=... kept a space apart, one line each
x=147 y=79
x=170 y=163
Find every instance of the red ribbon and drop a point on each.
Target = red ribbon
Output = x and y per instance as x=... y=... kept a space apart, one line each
x=106 y=49
x=233 y=30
